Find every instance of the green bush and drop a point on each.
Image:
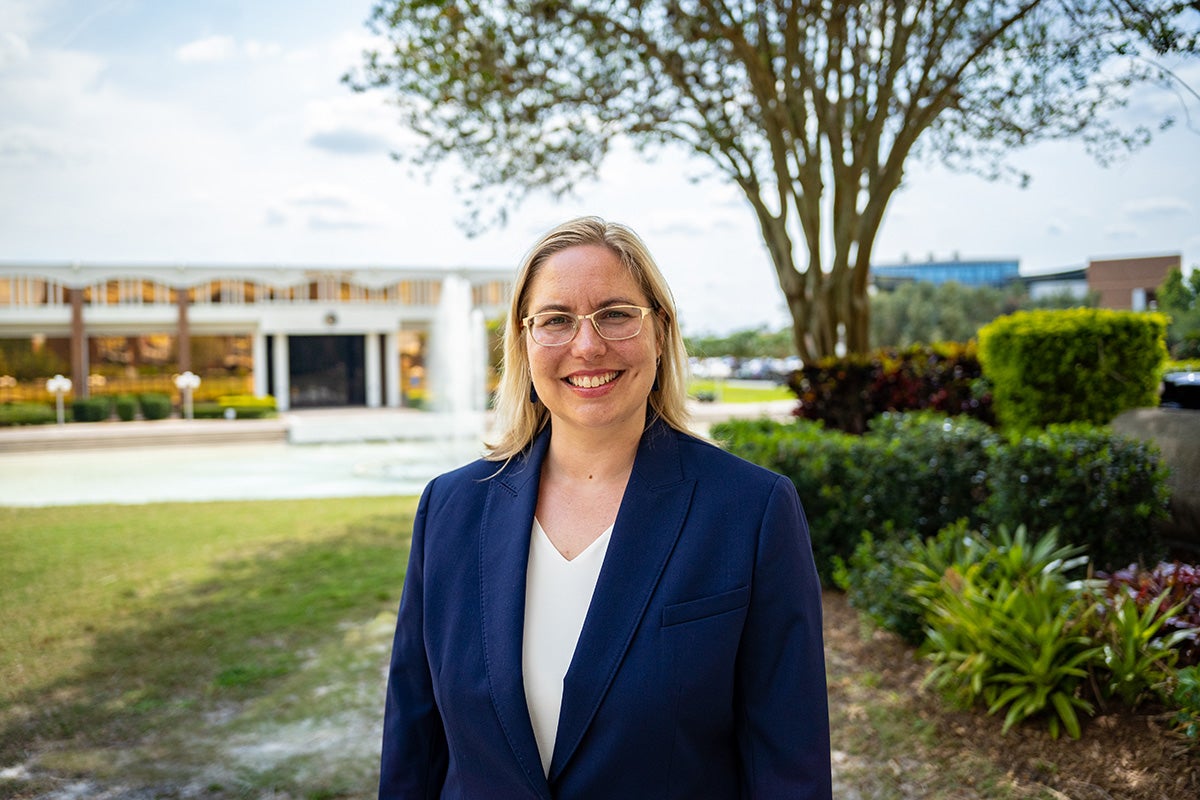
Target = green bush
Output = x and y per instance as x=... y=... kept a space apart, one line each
x=91 y=409
x=921 y=471
x=1007 y=628
x=243 y=407
x=1135 y=657
x=1102 y=491
x=1179 y=583
x=1081 y=364
x=247 y=401
x=914 y=474
x=155 y=405
x=877 y=579
x=126 y=407
x=1184 y=697
x=12 y=414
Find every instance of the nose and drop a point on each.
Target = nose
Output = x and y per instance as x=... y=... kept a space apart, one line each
x=588 y=343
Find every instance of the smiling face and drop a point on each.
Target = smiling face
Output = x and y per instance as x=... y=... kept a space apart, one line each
x=590 y=383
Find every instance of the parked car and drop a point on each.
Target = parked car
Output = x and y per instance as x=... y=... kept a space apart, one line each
x=1181 y=390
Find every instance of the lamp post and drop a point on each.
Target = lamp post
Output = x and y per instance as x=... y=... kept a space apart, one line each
x=186 y=384
x=59 y=386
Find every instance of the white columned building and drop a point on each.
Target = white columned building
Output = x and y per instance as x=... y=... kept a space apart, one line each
x=308 y=336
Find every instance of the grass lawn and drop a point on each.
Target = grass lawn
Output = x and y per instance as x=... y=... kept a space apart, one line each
x=126 y=623
x=237 y=650
x=735 y=392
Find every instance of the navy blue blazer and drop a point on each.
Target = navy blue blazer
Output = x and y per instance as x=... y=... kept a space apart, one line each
x=699 y=672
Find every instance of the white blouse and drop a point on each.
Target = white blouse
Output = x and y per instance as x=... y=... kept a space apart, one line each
x=557 y=595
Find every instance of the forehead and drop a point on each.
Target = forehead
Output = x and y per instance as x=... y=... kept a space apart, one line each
x=584 y=275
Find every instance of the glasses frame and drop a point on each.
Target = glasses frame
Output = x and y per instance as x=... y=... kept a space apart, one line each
x=578 y=319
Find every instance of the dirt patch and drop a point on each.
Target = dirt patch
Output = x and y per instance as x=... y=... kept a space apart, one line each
x=1121 y=756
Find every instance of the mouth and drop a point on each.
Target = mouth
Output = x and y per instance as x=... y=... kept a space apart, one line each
x=592 y=381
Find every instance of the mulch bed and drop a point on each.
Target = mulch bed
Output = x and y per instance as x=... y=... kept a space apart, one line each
x=1122 y=755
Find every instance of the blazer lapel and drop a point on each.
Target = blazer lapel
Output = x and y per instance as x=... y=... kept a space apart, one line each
x=504 y=559
x=648 y=524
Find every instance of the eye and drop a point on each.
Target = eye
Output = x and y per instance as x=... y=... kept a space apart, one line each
x=551 y=320
x=617 y=313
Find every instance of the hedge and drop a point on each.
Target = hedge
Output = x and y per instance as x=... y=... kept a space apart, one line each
x=12 y=414
x=91 y=409
x=1103 y=491
x=1075 y=365
x=154 y=405
x=914 y=474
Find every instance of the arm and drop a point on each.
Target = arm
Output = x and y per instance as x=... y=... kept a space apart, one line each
x=781 y=696
x=413 y=762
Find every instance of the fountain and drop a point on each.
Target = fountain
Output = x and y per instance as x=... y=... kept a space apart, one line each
x=451 y=432
x=458 y=365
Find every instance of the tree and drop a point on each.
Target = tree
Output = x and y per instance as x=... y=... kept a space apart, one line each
x=1180 y=299
x=811 y=108
x=920 y=312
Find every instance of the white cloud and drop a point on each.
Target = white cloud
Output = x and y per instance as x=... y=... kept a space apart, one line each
x=1120 y=233
x=13 y=50
x=19 y=17
x=256 y=49
x=32 y=146
x=1157 y=208
x=210 y=49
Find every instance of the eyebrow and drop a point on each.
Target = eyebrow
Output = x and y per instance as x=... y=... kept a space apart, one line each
x=612 y=301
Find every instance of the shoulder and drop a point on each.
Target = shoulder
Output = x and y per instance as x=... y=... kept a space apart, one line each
x=477 y=477
x=460 y=486
x=703 y=460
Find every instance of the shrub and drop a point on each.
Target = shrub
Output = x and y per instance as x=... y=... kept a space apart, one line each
x=1101 y=490
x=126 y=407
x=155 y=405
x=1007 y=628
x=1082 y=364
x=12 y=414
x=91 y=409
x=247 y=401
x=877 y=578
x=1184 y=697
x=1179 y=584
x=1134 y=658
x=846 y=393
x=919 y=472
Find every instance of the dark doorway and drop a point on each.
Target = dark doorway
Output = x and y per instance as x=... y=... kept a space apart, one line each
x=327 y=371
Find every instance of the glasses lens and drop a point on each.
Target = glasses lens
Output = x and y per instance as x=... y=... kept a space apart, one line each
x=552 y=328
x=619 y=322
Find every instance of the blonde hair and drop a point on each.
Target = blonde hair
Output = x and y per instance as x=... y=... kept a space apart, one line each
x=518 y=420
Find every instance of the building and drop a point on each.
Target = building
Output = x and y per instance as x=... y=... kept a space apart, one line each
x=1126 y=284
x=988 y=272
x=1130 y=284
x=1071 y=282
x=308 y=336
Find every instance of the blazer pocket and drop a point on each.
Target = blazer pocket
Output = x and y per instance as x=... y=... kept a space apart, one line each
x=692 y=610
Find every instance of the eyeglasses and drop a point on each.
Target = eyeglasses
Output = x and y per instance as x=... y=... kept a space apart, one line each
x=614 y=323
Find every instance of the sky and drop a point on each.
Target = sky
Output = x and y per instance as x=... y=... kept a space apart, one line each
x=218 y=132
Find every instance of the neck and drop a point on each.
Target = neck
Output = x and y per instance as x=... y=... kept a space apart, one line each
x=593 y=455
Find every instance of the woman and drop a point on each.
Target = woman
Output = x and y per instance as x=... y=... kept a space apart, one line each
x=605 y=606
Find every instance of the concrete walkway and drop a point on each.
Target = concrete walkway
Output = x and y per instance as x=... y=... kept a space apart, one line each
x=317 y=453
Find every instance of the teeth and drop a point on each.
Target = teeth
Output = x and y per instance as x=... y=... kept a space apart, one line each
x=591 y=381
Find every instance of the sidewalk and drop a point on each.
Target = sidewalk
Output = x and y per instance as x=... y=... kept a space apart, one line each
x=312 y=453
